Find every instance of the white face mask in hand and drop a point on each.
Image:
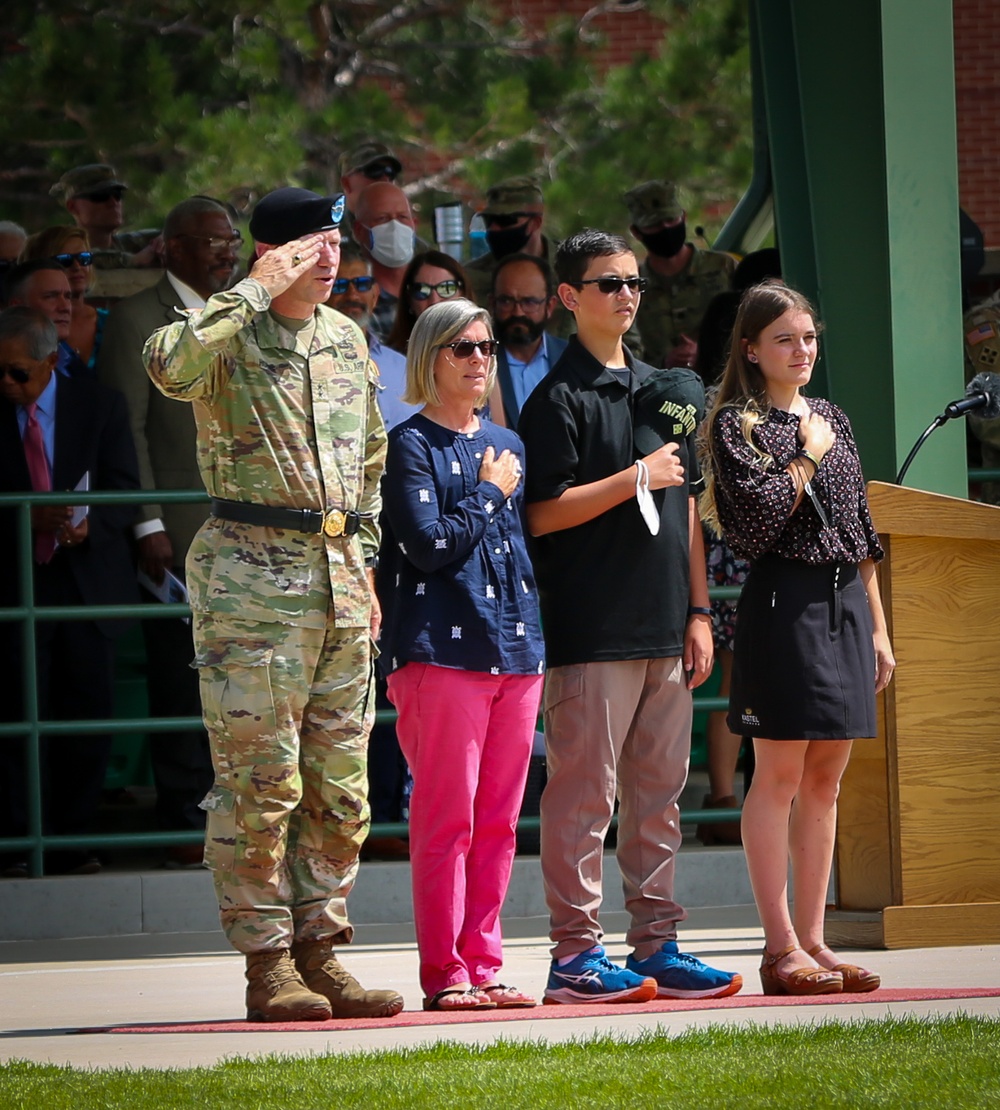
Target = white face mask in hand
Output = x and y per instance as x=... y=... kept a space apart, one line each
x=392 y=243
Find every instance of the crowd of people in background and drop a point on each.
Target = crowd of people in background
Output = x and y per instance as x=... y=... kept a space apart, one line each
x=587 y=517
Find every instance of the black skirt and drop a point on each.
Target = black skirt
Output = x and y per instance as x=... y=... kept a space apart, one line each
x=803 y=658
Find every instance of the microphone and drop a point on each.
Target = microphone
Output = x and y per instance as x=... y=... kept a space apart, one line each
x=982 y=393
x=982 y=396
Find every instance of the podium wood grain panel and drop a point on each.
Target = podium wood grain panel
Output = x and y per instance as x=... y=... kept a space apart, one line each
x=946 y=748
x=928 y=861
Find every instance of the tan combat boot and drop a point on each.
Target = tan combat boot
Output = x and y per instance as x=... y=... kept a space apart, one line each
x=322 y=972
x=276 y=993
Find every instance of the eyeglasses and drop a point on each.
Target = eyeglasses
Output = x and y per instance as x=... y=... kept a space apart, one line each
x=362 y=284
x=83 y=258
x=463 y=348
x=506 y=301
x=421 y=290
x=105 y=195
x=216 y=242
x=16 y=374
x=380 y=170
x=609 y=285
x=505 y=219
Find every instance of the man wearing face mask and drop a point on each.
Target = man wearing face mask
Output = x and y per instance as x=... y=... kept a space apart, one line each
x=384 y=229
x=514 y=214
x=680 y=278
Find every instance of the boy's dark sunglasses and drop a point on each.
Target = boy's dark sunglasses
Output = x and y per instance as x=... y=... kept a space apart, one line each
x=362 y=284
x=83 y=257
x=16 y=374
x=380 y=170
x=105 y=195
x=421 y=290
x=506 y=219
x=463 y=348
x=610 y=285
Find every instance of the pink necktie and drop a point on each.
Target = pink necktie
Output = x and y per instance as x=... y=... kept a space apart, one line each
x=41 y=478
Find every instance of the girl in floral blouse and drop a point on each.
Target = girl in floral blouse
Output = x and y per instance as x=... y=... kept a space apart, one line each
x=785 y=488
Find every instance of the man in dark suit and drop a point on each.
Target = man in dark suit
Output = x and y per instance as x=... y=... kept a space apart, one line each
x=200 y=249
x=54 y=431
x=523 y=301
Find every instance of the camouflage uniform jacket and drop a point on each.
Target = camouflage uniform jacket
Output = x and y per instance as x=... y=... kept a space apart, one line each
x=279 y=425
x=981 y=325
x=674 y=306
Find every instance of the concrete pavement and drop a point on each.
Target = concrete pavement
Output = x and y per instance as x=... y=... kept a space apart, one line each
x=48 y=987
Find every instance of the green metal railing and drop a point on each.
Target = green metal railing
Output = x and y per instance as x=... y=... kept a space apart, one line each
x=36 y=842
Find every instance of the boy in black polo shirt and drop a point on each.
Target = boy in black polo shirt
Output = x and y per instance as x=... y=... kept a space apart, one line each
x=623 y=621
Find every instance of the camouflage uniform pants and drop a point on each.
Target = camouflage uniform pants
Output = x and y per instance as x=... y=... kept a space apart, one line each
x=288 y=712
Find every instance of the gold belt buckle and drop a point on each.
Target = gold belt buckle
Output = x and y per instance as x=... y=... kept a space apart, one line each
x=334 y=523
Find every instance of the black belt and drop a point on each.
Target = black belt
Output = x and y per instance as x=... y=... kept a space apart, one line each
x=337 y=522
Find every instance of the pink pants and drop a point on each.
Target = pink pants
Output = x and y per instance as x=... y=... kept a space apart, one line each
x=467 y=738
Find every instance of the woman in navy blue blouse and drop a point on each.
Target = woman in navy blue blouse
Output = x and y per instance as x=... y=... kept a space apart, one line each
x=465 y=651
x=811 y=648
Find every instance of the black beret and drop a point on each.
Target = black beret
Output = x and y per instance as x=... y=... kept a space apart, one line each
x=290 y=213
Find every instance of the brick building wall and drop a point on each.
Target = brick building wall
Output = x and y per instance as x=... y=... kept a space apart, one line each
x=977 y=91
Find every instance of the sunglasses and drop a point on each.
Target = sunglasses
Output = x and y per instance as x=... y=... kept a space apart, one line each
x=421 y=290
x=83 y=258
x=377 y=172
x=506 y=219
x=105 y=195
x=463 y=348
x=506 y=301
x=16 y=374
x=217 y=242
x=609 y=285
x=361 y=284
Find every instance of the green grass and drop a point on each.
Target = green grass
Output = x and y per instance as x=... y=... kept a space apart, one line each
x=941 y=1062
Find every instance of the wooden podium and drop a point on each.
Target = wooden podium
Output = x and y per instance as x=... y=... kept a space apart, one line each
x=918 y=834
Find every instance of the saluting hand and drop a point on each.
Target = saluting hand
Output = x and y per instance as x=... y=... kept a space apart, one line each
x=281 y=267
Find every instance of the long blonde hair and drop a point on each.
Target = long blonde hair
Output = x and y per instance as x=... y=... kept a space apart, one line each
x=743 y=386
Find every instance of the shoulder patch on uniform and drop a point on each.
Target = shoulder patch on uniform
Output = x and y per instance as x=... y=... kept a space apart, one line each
x=981 y=334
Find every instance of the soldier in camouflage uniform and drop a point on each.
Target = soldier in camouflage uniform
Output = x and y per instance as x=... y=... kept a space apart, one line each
x=514 y=213
x=981 y=325
x=291 y=448
x=680 y=278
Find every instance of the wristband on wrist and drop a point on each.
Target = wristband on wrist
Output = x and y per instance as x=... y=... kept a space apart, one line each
x=699 y=611
x=804 y=454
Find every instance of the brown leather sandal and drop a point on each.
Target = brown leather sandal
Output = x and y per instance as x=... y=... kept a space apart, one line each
x=857 y=980
x=801 y=981
x=507 y=998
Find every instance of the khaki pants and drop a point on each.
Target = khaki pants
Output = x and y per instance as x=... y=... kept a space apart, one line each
x=288 y=712
x=625 y=727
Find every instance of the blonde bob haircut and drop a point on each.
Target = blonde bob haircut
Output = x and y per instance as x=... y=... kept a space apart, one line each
x=441 y=324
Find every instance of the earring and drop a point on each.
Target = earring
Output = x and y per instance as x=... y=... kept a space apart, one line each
x=752 y=358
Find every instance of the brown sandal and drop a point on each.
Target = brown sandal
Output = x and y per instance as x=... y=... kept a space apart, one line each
x=801 y=981
x=507 y=998
x=857 y=980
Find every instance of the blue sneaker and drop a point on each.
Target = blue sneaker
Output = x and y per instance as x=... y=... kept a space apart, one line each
x=592 y=977
x=681 y=976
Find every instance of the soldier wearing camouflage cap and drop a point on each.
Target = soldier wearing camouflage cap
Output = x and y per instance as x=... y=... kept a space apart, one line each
x=514 y=215
x=93 y=196
x=681 y=278
x=361 y=165
x=291 y=449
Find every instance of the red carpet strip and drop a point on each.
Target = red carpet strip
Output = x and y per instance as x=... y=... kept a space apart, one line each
x=544 y=1013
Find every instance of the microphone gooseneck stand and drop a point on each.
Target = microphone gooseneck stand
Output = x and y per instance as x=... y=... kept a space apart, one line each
x=936 y=423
